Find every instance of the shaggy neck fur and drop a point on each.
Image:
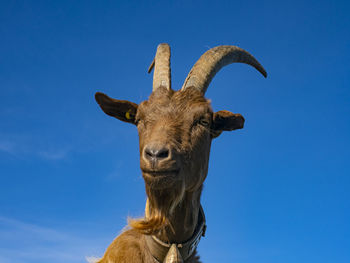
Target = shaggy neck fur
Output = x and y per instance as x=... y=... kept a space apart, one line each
x=180 y=223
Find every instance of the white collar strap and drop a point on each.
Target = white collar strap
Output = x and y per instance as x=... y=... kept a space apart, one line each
x=160 y=249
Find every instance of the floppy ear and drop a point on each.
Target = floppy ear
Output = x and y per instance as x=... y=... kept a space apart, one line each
x=226 y=121
x=121 y=109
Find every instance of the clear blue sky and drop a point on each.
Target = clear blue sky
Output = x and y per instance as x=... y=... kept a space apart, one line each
x=277 y=191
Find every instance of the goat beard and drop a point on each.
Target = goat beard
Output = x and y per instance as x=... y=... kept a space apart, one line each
x=161 y=204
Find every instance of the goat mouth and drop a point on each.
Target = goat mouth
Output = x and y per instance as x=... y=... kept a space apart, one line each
x=160 y=179
x=159 y=173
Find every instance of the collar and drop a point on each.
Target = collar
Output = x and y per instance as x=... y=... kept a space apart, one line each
x=160 y=249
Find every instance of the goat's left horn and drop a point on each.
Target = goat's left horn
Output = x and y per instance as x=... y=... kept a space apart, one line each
x=161 y=64
x=213 y=60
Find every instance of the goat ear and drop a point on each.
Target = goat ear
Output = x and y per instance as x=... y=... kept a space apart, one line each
x=226 y=121
x=121 y=109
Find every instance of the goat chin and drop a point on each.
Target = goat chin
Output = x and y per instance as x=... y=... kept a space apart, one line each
x=161 y=204
x=161 y=182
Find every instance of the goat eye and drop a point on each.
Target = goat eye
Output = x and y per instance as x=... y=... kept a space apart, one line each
x=204 y=122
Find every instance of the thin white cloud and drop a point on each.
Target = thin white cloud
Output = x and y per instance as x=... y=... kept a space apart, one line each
x=92 y=259
x=6 y=146
x=24 y=242
x=57 y=154
x=19 y=145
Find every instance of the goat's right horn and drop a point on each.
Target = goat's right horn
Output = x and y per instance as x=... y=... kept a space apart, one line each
x=161 y=64
x=212 y=61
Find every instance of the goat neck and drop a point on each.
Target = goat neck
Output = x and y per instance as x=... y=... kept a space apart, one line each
x=182 y=221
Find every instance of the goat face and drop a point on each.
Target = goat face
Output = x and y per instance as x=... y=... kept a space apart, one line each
x=175 y=131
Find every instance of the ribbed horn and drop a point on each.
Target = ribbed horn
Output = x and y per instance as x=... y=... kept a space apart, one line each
x=213 y=60
x=161 y=64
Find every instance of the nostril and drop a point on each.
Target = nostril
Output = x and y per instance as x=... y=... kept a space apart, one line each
x=163 y=153
x=149 y=153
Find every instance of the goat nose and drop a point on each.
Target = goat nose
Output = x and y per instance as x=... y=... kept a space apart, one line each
x=156 y=153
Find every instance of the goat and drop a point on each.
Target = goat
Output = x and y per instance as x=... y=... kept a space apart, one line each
x=175 y=131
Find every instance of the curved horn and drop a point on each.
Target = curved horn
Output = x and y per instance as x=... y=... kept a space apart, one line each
x=161 y=64
x=213 y=60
